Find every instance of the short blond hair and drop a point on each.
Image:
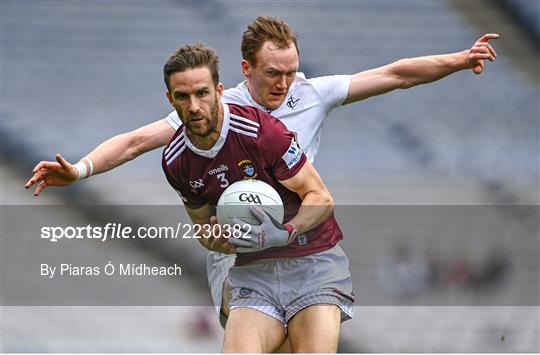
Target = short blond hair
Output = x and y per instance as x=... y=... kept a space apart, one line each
x=266 y=28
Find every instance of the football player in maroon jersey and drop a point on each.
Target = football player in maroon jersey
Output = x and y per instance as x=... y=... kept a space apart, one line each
x=305 y=306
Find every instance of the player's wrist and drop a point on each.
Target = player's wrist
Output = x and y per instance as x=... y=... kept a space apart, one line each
x=85 y=168
x=463 y=61
x=292 y=231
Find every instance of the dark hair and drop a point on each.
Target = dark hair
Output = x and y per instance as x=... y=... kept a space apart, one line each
x=266 y=28
x=190 y=56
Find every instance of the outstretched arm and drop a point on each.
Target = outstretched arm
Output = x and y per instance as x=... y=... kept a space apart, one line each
x=406 y=73
x=108 y=155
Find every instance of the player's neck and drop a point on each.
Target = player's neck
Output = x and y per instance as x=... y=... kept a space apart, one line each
x=207 y=142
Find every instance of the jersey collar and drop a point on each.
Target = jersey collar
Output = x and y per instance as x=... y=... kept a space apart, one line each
x=212 y=152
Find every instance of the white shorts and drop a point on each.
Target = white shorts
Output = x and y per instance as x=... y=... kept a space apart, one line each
x=217 y=269
x=283 y=287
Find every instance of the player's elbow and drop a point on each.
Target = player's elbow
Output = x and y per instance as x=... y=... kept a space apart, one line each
x=328 y=204
x=330 y=200
x=319 y=197
x=327 y=199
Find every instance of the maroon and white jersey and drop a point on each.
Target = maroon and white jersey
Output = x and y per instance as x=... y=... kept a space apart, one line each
x=252 y=145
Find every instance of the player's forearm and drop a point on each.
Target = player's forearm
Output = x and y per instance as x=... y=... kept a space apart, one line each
x=316 y=207
x=114 y=152
x=422 y=70
x=404 y=74
x=200 y=218
x=127 y=146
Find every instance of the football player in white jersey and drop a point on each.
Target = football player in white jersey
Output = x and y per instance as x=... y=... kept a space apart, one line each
x=270 y=63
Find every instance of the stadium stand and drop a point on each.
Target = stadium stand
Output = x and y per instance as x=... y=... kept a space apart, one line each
x=527 y=13
x=76 y=73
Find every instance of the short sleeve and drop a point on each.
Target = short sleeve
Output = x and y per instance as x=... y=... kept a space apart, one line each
x=333 y=88
x=280 y=149
x=173 y=119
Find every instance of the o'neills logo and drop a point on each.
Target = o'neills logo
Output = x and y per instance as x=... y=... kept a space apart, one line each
x=220 y=169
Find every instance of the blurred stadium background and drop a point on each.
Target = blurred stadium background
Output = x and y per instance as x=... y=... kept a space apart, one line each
x=416 y=173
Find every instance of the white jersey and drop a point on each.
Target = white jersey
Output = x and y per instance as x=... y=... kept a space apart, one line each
x=307 y=104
